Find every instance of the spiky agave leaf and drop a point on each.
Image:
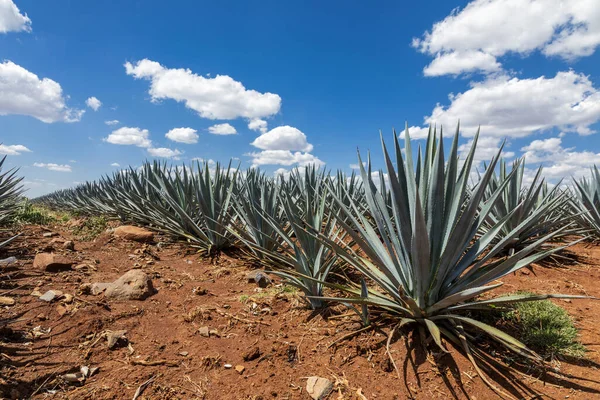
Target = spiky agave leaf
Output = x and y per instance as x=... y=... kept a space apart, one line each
x=257 y=196
x=430 y=264
x=10 y=192
x=588 y=202
x=303 y=261
x=11 y=189
x=538 y=209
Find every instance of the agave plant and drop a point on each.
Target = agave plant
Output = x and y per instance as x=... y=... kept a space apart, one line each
x=198 y=203
x=534 y=207
x=10 y=192
x=259 y=196
x=303 y=260
x=424 y=255
x=588 y=201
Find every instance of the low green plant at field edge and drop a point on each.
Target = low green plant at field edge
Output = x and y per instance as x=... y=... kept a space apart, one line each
x=28 y=213
x=91 y=227
x=547 y=328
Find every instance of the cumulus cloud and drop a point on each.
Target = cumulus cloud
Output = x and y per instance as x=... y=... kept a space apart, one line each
x=93 y=103
x=220 y=97
x=473 y=38
x=559 y=162
x=283 y=157
x=210 y=162
x=24 y=93
x=115 y=164
x=130 y=136
x=222 y=129
x=183 y=135
x=456 y=63
x=54 y=167
x=257 y=124
x=515 y=107
x=487 y=148
x=112 y=122
x=164 y=152
x=283 y=138
x=13 y=150
x=357 y=166
x=11 y=19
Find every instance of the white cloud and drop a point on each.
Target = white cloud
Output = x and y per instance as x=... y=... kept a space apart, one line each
x=164 y=152
x=283 y=157
x=283 y=138
x=473 y=38
x=130 y=136
x=115 y=164
x=11 y=19
x=220 y=97
x=93 y=103
x=23 y=93
x=13 y=150
x=559 y=162
x=222 y=129
x=357 y=166
x=54 y=167
x=257 y=124
x=415 y=132
x=210 y=162
x=182 y=135
x=112 y=122
x=456 y=63
x=487 y=148
x=515 y=107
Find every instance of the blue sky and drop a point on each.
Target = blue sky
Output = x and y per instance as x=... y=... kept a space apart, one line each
x=296 y=82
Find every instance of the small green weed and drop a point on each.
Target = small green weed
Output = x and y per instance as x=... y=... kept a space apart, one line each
x=546 y=328
x=28 y=213
x=91 y=228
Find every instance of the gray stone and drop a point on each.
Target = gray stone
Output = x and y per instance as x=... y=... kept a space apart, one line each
x=259 y=277
x=318 y=388
x=51 y=295
x=204 y=331
x=113 y=337
x=99 y=287
x=134 y=285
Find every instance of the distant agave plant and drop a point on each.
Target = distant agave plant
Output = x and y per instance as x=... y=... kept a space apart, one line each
x=424 y=254
x=200 y=203
x=11 y=189
x=258 y=206
x=303 y=260
x=533 y=207
x=588 y=201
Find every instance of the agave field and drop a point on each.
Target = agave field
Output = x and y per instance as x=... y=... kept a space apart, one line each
x=420 y=248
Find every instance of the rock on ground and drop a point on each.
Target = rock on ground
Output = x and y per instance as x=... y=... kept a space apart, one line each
x=134 y=285
x=7 y=301
x=318 y=388
x=51 y=262
x=134 y=233
x=259 y=277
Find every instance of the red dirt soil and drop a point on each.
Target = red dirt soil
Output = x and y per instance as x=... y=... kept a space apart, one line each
x=293 y=343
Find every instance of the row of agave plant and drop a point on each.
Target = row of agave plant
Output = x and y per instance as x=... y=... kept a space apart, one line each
x=11 y=189
x=423 y=242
